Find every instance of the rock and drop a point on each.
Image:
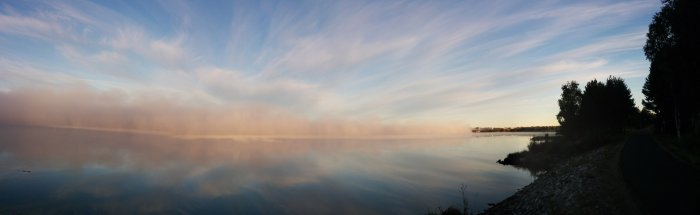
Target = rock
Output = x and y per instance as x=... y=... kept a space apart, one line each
x=578 y=186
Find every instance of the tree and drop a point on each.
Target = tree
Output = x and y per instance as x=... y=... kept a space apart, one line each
x=621 y=112
x=646 y=118
x=602 y=109
x=672 y=89
x=569 y=105
x=593 y=104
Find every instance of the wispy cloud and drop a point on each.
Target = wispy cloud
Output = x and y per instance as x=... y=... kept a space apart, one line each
x=167 y=52
x=30 y=27
x=393 y=62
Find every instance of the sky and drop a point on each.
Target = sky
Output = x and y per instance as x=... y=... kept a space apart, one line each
x=310 y=67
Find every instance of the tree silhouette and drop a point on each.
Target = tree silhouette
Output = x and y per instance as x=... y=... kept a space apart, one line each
x=620 y=112
x=672 y=89
x=602 y=109
x=569 y=106
x=593 y=104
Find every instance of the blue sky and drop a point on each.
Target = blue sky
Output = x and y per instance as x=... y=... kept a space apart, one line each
x=472 y=63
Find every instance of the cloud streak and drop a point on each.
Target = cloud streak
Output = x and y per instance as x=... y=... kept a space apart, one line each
x=392 y=62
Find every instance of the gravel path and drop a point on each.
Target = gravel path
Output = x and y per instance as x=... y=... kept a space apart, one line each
x=662 y=184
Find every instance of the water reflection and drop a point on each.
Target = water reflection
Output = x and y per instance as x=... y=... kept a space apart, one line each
x=77 y=171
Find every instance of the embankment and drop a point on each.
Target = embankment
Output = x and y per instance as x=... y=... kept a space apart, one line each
x=589 y=183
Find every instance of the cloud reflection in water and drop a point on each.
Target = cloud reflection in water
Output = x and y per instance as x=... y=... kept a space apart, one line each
x=94 y=171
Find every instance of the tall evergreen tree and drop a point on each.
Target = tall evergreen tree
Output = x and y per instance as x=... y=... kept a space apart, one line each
x=672 y=88
x=621 y=111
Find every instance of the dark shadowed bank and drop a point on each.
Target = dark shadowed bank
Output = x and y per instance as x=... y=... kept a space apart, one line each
x=572 y=178
x=630 y=176
x=541 y=154
x=588 y=183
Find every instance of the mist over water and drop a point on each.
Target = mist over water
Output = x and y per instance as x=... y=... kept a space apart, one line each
x=71 y=170
x=84 y=107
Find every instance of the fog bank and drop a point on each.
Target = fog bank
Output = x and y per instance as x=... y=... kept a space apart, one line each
x=90 y=108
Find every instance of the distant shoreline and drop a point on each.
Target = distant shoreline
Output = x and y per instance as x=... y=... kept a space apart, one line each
x=516 y=129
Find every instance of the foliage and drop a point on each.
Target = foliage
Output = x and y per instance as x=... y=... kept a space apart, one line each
x=646 y=118
x=671 y=89
x=569 y=106
x=620 y=112
x=593 y=107
x=602 y=109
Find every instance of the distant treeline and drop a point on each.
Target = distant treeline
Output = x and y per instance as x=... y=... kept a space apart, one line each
x=517 y=129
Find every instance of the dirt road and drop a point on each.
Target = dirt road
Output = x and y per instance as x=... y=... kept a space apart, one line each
x=662 y=184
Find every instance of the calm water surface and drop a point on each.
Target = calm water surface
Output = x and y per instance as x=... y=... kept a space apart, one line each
x=52 y=170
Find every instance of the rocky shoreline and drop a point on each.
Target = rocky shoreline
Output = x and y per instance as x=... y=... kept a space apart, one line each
x=586 y=184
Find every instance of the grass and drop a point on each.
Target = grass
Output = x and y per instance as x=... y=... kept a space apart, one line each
x=686 y=149
x=452 y=210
